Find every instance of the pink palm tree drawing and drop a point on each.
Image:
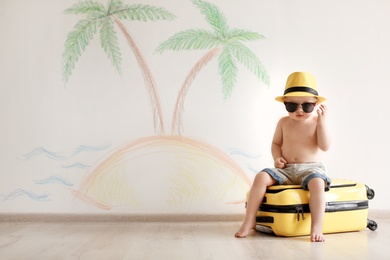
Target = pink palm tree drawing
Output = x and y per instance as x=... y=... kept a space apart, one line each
x=100 y=17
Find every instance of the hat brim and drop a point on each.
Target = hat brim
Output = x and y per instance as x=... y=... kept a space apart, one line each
x=300 y=94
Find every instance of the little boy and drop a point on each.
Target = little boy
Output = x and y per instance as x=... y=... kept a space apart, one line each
x=298 y=142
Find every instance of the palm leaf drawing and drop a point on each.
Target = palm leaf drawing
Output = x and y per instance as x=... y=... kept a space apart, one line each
x=221 y=40
x=103 y=18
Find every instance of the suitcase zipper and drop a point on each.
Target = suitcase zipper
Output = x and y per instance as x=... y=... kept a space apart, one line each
x=299 y=211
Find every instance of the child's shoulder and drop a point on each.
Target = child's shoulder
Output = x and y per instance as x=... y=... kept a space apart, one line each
x=284 y=119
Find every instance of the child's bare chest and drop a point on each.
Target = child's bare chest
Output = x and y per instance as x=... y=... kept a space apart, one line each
x=299 y=132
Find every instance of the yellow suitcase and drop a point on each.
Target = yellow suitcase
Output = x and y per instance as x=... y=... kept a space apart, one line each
x=285 y=209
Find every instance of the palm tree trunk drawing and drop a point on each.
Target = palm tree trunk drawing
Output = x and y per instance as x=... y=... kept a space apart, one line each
x=97 y=16
x=177 y=121
x=149 y=80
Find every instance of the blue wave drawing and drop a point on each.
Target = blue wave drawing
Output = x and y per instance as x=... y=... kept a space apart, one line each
x=38 y=151
x=20 y=192
x=252 y=169
x=90 y=148
x=54 y=179
x=76 y=165
x=234 y=151
x=42 y=151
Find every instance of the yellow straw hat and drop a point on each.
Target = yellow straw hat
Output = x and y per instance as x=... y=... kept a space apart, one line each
x=301 y=84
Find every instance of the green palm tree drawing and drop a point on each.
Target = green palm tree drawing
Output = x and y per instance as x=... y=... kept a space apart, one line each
x=221 y=40
x=100 y=17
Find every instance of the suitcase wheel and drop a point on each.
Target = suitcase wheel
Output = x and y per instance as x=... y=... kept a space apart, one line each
x=370 y=193
x=372 y=225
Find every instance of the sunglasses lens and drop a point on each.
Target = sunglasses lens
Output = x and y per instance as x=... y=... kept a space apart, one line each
x=308 y=107
x=291 y=107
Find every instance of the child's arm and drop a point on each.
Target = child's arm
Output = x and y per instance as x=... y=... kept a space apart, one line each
x=323 y=136
x=276 y=148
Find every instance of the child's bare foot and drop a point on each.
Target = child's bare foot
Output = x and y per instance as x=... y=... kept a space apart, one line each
x=245 y=228
x=316 y=233
x=317 y=237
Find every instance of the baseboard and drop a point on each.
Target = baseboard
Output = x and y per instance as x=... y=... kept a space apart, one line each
x=45 y=217
x=37 y=217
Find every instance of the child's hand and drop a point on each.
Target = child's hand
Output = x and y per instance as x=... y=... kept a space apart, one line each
x=321 y=111
x=280 y=162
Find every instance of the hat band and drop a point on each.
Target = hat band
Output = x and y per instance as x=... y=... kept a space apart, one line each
x=301 y=89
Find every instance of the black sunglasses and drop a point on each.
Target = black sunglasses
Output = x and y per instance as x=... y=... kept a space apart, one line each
x=307 y=107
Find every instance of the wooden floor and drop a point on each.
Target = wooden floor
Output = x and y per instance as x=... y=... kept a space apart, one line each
x=179 y=240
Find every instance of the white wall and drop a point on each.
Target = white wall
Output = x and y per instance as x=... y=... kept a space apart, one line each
x=344 y=43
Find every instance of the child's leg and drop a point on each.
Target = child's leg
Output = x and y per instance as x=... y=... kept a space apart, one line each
x=256 y=194
x=317 y=208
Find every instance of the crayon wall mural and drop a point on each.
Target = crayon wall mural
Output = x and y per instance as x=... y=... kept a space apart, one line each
x=125 y=106
x=168 y=171
x=191 y=172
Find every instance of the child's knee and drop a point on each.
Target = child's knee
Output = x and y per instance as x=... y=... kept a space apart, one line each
x=316 y=184
x=265 y=179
